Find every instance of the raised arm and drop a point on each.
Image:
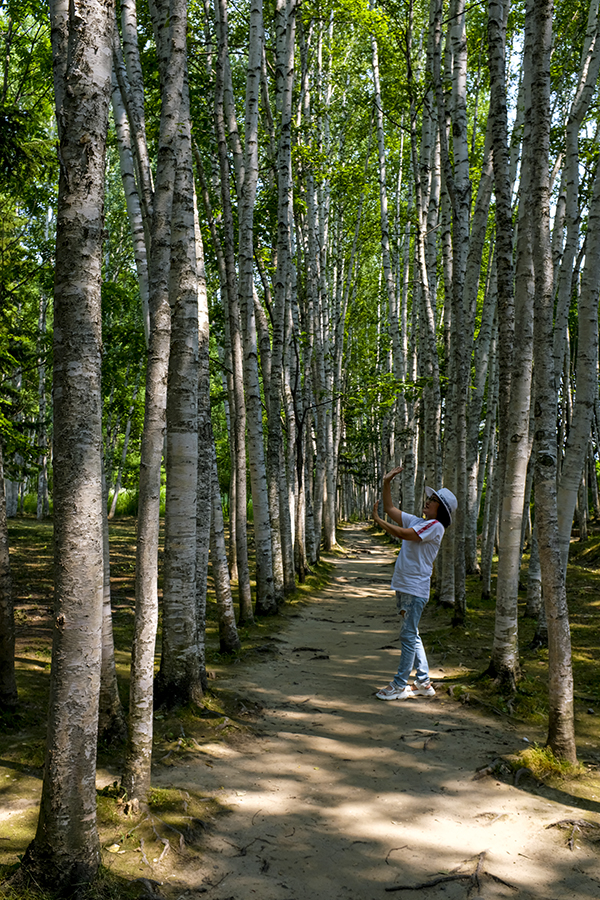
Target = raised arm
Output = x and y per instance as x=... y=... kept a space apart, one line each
x=392 y=511
x=405 y=534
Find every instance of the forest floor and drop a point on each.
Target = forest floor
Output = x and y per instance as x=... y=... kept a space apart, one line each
x=294 y=782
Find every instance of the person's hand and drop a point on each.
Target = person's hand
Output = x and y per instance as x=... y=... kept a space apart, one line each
x=375 y=513
x=392 y=474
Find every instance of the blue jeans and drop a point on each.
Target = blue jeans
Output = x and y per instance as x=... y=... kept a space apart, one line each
x=412 y=654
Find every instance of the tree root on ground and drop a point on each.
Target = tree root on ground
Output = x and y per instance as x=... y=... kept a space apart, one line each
x=473 y=877
x=576 y=826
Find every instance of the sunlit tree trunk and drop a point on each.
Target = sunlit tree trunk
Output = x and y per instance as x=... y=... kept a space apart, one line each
x=132 y=199
x=279 y=502
x=561 y=735
x=136 y=775
x=587 y=314
x=266 y=603
x=232 y=320
x=179 y=679
x=65 y=852
x=516 y=354
x=132 y=90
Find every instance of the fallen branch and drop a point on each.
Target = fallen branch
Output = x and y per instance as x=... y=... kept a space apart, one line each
x=393 y=850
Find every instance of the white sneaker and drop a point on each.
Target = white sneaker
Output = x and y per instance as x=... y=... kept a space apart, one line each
x=425 y=689
x=393 y=692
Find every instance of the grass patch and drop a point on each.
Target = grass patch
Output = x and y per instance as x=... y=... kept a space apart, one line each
x=545 y=766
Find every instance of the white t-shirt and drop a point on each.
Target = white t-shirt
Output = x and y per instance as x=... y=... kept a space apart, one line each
x=414 y=563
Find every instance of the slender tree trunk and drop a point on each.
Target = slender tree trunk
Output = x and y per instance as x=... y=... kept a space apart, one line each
x=132 y=199
x=233 y=324
x=229 y=640
x=266 y=603
x=112 y=726
x=587 y=377
x=561 y=734
x=179 y=680
x=43 y=505
x=65 y=852
x=137 y=773
x=8 y=684
x=514 y=421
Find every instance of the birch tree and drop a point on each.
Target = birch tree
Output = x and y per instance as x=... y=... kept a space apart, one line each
x=266 y=603
x=561 y=736
x=8 y=684
x=136 y=775
x=65 y=851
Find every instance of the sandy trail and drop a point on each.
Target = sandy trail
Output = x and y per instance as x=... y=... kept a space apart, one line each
x=344 y=796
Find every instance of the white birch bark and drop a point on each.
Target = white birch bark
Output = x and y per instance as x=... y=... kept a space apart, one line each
x=229 y=640
x=266 y=603
x=561 y=736
x=132 y=199
x=179 y=679
x=8 y=684
x=65 y=852
x=131 y=83
x=514 y=419
x=586 y=86
x=587 y=314
x=232 y=319
x=205 y=442
x=279 y=507
x=137 y=772
x=112 y=726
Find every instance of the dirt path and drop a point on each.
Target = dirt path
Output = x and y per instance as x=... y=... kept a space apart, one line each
x=344 y=796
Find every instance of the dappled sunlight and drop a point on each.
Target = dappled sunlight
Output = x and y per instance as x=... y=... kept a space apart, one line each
x=340 y=791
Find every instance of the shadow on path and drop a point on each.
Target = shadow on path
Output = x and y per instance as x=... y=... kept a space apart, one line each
x=345 y=796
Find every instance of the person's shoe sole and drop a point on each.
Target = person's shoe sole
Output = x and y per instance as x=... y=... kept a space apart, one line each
x=405 y=694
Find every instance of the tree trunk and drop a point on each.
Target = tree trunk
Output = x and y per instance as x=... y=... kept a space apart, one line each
x=232 y=325
x=65 y=852
x=229 y=640
x=137 y=773
x=179 y=680
x=266 y=603
x=561 y=734
x=515 y=387
x=8 y=684
x=112 y=726
x=43 y=505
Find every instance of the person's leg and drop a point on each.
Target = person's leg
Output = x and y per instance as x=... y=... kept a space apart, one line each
x=412 y=652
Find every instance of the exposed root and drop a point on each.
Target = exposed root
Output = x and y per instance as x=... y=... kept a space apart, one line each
x=472 y=877
x=576 y=826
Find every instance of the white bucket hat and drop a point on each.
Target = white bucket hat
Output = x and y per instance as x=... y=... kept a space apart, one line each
x=446 y=498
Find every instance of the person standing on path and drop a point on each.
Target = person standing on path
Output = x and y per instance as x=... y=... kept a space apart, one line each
x=421 y=539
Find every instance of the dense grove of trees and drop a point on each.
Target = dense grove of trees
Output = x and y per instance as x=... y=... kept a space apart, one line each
x=309 y=242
